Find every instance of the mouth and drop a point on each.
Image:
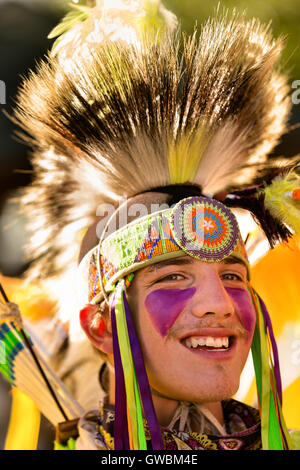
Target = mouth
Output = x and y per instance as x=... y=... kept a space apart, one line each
x=210 y=340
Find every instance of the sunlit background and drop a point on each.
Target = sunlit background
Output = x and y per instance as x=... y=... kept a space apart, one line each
x=24 y=25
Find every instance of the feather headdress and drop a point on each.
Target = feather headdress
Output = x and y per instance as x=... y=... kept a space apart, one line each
x=127 y=118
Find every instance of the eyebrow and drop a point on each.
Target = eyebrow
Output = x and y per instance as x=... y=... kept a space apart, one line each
x=170 y=262
x=189 y=260
x=233 y=260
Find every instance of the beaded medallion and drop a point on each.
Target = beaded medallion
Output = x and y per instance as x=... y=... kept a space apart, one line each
x=205 y=228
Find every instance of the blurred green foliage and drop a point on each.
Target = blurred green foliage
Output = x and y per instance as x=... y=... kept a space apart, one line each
x=284 y=16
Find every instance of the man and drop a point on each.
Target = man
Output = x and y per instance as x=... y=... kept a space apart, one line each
x=183 y=127
x=195 y=324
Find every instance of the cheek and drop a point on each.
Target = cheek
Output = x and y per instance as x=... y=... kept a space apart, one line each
x=164 y=306
x=245 y=309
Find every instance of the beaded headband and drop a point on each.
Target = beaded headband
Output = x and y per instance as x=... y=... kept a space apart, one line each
x=200 y=227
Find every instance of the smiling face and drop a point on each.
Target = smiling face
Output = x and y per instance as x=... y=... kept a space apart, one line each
x=195 y=321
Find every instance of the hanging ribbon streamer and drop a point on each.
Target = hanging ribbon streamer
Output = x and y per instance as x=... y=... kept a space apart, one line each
x=121 y=438
x=274 y=432
x=134 y=408
x=268 y=326
x=275 y=377
x=131 y=381
x=156 y=439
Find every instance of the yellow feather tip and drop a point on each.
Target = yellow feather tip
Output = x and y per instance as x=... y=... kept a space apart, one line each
x=282 y=199
x=186 y=153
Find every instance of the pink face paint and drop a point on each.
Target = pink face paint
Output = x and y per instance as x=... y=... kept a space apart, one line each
x=245 y=308
x=164 y=306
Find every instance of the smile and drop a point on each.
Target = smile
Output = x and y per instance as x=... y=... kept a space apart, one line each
x=212 y=342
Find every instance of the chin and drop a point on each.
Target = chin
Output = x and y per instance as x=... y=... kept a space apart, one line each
x=213 y=389
x=220 y=390
x=208 y=385
x=212 y=395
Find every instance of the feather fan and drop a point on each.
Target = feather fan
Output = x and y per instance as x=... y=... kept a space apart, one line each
x=23 y=366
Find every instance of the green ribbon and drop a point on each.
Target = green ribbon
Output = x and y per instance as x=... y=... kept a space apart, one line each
x=270 y=427
x=131 y=384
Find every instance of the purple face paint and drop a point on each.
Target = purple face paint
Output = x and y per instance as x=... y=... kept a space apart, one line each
x=164 y=306
x=245 y=309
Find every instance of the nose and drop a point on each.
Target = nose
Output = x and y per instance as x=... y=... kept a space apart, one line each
x=211 y=297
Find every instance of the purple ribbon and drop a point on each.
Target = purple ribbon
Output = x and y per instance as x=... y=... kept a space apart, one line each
x=121 y=438
x=156 y=439
x=274 y=349
x=277 y=374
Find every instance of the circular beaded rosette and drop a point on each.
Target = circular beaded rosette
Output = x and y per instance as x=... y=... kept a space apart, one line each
x=204 y=228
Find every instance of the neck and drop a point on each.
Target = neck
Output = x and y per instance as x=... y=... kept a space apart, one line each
x=166 y=407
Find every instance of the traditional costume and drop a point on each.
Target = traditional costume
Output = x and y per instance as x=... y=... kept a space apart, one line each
x=175 y=134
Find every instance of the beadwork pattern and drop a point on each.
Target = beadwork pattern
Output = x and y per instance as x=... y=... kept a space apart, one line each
x=205 y=229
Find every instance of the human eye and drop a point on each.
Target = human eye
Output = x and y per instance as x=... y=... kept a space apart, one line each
x=172 y=277
x=230 y=276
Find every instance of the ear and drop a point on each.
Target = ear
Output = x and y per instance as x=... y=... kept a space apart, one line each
x=94 y=325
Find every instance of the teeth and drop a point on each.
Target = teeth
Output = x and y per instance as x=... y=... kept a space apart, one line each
x=218 y=343
x=209 y=341
x=202 y=341
x=225 y=342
